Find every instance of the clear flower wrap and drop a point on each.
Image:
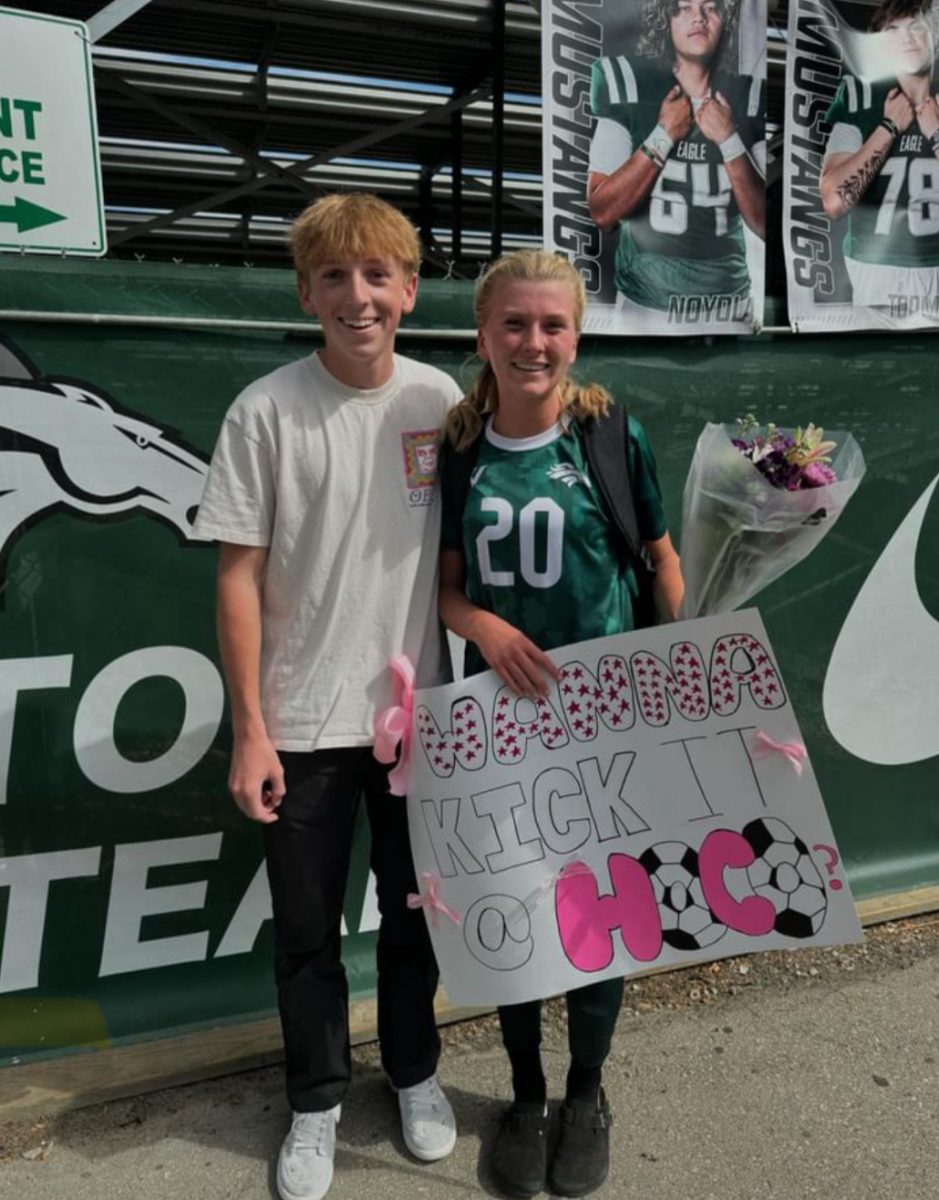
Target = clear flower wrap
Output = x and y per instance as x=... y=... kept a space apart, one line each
x=740 y=532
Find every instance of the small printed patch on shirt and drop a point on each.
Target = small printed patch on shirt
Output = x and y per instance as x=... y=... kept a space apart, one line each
x=420 y=448
x=567 y=473
x=477 y=474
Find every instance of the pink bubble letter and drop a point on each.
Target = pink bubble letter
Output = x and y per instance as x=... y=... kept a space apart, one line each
x=587 y=920
x=722 y=848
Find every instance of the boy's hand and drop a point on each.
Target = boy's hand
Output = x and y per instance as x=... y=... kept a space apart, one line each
x=514 y=657
x=675 y=114
x=715 y=119
x=256 y=779
x=898 y=109
x=927 y=114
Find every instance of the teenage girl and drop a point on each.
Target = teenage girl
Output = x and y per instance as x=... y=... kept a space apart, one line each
x=531 y=563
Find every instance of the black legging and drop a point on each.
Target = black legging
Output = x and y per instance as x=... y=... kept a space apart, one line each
x=591 y=1019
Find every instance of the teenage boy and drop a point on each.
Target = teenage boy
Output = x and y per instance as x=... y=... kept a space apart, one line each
x=322 y=493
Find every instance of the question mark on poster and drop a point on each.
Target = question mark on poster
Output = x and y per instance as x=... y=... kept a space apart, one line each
x=834 y=884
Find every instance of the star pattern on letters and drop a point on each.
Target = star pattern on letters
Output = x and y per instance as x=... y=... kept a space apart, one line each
x=683 y=681
x=587 y=699
x=510 y=736
x=462 y=743
x=761 y=678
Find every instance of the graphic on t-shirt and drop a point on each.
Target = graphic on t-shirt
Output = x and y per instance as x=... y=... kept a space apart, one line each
x=420 y=448
x=65 y=445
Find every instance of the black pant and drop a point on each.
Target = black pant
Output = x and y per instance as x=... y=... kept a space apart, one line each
x=307 y=853
x=591 y=1019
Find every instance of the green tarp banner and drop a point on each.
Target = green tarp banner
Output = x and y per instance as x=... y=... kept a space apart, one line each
x=132 y=903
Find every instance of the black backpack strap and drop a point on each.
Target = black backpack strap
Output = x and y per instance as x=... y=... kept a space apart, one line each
x=454 y=471
x=606 y=441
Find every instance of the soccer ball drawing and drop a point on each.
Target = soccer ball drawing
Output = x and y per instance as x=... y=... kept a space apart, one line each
x=687 y=921
x=786 y=875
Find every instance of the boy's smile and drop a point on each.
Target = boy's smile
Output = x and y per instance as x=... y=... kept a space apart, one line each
x=359 y=304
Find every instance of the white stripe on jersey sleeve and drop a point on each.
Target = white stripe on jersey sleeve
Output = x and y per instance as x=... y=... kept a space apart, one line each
x=758 y=154
x=867 y=93
x=612 y=83
x=753 y=103
x=851 y=92
x=844 y=139
x=610 y=147
x=629 y=78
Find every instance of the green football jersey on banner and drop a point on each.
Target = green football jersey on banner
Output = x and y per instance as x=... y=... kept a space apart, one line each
x=686 y=238
x=539 y=549
x=896 y=221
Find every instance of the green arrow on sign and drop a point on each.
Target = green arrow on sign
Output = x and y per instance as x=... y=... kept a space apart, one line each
x=26 y=215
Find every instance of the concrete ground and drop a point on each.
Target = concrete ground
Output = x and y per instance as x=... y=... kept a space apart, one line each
x=773 y=1078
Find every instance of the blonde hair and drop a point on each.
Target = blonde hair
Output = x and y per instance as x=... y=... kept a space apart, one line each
x=353 y=225
x=465 y=420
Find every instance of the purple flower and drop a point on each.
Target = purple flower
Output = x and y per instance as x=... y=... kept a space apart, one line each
x=817 y=474
x=773 y=457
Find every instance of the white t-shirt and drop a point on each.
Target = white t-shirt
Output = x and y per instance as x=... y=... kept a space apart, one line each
x=340 y=485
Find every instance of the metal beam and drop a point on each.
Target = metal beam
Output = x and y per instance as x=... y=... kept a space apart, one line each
x=112 y=15
x=370 y=139
x=456 y=186
x=526 y=206
x=205 y=132
x=498 y=121
x=425 y=203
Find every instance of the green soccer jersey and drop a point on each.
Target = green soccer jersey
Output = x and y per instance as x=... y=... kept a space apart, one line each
x=896 y=221
x=539 y=549
x=686 y=238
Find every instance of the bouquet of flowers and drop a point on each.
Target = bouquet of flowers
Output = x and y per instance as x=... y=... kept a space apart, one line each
x=756 y=502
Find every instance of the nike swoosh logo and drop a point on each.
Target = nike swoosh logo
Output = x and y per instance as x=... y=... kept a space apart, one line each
x=880 y=697
x=477 y=474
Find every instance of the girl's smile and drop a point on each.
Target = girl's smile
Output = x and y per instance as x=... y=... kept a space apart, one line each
x=529 y=339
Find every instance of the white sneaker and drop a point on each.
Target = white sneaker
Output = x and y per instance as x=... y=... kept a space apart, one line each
x=427 y=1122
x=305 y=1164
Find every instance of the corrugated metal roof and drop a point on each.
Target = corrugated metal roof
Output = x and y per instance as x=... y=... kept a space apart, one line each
x=197 y=99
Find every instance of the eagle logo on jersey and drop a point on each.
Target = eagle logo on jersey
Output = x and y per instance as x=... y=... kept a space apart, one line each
x=568 y=473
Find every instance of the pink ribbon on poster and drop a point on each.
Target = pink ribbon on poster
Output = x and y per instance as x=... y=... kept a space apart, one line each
x=546 y=888
x=393 y=726
x=794 y=752
x=430 y=899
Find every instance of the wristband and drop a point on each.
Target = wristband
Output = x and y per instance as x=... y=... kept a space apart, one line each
x=651 y=154
x=732 y=147
x=933 y=140
x=891 y=126
x=660 y=143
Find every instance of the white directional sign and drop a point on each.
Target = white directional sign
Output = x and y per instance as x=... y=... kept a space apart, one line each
x=50 y=177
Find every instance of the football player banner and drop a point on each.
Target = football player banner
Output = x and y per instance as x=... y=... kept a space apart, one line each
x=654 y=159
x=861 y=194
x=658 y=807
